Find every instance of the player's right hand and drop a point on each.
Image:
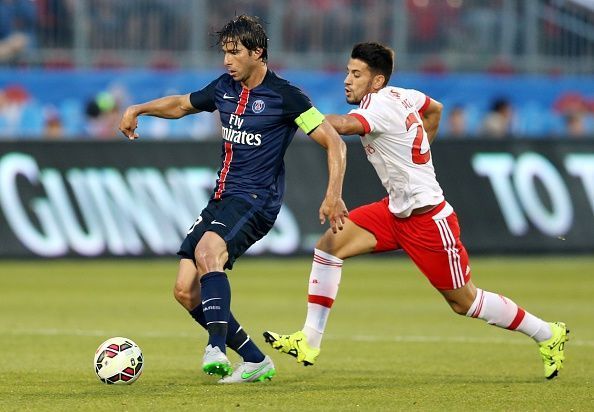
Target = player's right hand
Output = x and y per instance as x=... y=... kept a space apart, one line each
x=335 y=210
x=129 y=123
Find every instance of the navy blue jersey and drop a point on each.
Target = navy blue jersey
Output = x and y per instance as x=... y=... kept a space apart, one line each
x=257 y=127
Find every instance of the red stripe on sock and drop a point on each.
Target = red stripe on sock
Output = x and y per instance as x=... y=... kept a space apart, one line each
x=326 y=262
x=517 y=320
x=479 y=307
x=320 y=300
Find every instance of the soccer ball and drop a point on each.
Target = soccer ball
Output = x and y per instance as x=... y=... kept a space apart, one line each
x=118 y=361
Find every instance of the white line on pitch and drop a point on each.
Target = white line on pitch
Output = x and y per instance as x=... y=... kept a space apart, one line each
x=354 y=338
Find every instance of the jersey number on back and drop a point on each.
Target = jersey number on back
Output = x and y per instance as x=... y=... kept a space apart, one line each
x=417 y=157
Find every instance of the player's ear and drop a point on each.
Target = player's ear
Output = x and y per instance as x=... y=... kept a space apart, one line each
x=378 y=81
x=258 y=52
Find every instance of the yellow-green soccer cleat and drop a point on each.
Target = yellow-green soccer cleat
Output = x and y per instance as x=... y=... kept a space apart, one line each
x=551 y=350
x=294 y=345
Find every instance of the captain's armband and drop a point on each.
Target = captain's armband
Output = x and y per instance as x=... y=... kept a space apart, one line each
x=309 y=120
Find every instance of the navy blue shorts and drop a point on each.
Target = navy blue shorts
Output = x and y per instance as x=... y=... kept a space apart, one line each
x=239 y=222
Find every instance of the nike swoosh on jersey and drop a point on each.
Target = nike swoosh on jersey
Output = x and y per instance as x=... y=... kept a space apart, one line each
x=247 y=375
x=228 y=97
x=214 y=222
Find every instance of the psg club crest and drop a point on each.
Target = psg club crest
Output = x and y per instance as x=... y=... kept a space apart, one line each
x=258 y=106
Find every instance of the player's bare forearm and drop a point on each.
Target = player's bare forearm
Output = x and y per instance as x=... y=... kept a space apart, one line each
x=327 y=137
x=170 y=107
x=431 y=126
x=333 y=206
x=336 y=166
x=431 y=118
x=345 y=124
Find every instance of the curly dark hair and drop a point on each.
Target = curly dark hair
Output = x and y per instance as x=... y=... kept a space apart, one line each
x=247 y=30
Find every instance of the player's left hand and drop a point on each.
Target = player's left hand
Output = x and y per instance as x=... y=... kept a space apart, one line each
x=334 y=209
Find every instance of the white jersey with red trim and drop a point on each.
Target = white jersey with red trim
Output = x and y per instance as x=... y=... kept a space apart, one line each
x=397 y=146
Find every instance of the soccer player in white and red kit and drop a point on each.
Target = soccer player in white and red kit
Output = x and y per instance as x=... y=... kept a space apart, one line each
x=397 y=127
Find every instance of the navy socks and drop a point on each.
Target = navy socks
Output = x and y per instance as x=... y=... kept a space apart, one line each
x=236 y=338
x=240 y=342
x=216 y=306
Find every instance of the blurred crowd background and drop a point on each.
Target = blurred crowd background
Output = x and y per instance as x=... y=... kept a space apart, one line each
x=503 y=68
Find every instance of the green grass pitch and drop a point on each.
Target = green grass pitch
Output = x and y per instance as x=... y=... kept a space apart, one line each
x=391 y=342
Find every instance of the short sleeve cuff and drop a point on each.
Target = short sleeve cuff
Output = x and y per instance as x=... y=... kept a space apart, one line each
x=425 y=105
x=363 y=120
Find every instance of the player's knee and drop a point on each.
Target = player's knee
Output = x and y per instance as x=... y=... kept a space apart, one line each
x=328 y=244
x=207 y=259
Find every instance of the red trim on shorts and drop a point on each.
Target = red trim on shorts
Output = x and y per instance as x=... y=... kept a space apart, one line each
x=517 y=320
x=320 y=300
x=363 y=121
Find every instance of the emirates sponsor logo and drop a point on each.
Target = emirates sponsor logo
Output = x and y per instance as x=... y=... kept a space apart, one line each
x=241 y=137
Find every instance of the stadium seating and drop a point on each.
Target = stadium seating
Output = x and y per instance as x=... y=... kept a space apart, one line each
x=533 y=98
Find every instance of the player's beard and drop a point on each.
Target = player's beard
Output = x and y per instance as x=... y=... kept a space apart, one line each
x=356 y=100
x=353 y=100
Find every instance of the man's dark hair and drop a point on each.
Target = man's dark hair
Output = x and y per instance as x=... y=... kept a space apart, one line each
x=378 y=57
x=248 y=31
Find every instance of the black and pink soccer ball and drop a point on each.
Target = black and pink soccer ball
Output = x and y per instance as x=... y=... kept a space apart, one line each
x=118 y=361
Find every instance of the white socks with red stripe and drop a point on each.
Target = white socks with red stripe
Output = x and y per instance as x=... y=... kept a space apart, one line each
x=503 y=312
x=323 y=287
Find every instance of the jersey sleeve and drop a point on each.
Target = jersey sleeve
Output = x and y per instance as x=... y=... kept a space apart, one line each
x=204 y=100
x=299 y=109
x=420 y=100
x=371 y=114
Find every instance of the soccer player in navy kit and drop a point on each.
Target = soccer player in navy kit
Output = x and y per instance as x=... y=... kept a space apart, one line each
x=260 y=113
